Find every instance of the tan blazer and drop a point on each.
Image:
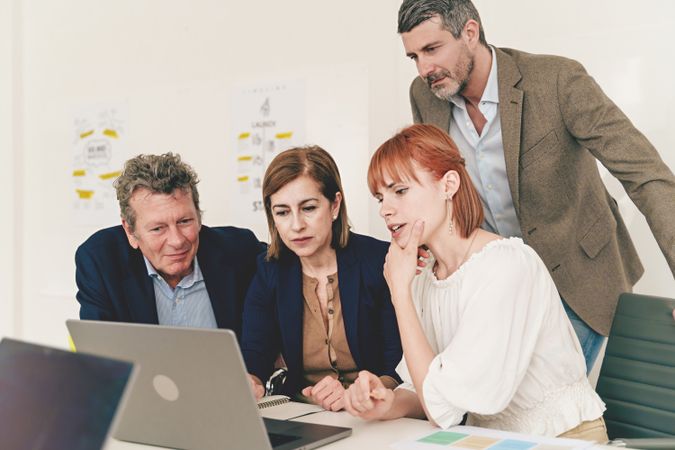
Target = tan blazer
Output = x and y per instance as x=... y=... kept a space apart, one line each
x=556 y=122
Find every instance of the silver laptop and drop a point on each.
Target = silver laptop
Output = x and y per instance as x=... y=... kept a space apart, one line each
x=52 y=398
x=192 y=390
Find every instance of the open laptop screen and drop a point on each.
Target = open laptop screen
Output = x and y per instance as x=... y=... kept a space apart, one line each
x=52 y=398
x=192 y=390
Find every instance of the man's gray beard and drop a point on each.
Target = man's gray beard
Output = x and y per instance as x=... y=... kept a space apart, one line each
x=446 y=96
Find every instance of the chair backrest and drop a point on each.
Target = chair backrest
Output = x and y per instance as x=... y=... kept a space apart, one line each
x=637 y=378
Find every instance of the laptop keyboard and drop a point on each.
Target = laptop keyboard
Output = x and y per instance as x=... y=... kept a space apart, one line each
x=281 y=439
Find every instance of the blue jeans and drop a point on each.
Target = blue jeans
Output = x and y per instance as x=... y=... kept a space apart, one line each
x=591 y=342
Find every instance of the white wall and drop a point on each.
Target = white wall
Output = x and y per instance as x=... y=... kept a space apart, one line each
x=172 y=63
x=7 y=254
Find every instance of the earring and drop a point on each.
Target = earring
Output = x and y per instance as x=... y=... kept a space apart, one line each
x=451 y=228
x=334 y=217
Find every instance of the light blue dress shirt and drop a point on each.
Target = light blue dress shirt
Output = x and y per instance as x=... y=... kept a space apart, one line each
x=484 y=156
x=188 y=305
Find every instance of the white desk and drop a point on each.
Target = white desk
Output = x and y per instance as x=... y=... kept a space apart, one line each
x=378 y=435
x=365 y=435
x=369 y=435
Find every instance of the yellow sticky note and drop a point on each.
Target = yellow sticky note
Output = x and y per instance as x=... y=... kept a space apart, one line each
x=242 y=179
x=86 y=134
x=109 y=175
x=110 y=133
x=286 y=135
x=244 y=135
x=79 y=172
x=85 y=195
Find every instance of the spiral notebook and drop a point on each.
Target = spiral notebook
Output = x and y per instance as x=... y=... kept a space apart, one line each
x=281 y=407
x=272 y=400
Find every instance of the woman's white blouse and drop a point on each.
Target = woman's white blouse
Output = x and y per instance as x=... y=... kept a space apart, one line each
x=505 y=350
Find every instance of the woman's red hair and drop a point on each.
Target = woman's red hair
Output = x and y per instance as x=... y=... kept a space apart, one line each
x=433 y=150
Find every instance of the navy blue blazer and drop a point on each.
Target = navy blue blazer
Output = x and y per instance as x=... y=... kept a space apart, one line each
x=274 y=306
x=113 y=282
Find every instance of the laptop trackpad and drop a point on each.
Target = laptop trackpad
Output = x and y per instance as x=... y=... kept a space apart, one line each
x=277 y=440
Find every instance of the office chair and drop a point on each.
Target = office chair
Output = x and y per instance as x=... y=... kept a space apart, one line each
x=637 y=377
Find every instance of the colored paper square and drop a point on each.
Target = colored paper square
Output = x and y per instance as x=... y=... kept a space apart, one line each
x=442 y=438
x=552 y=447
x=513 y=444
x=475 y=442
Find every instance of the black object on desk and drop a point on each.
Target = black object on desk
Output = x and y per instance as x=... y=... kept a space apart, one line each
x=55 y=399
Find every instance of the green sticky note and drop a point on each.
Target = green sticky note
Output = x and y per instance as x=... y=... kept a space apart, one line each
x=442 y=438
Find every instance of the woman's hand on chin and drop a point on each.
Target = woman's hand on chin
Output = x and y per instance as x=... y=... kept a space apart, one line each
x=401 y=263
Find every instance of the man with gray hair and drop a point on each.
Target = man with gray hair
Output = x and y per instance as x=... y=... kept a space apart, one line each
x=162 y=266
x=530 y=128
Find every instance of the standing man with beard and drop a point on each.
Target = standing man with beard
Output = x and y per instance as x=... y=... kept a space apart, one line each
x=531 y=128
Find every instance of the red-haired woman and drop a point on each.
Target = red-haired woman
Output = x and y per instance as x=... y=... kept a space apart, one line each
x=482 y=326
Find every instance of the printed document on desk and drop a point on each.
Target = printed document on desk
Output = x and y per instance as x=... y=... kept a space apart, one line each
x=288 y=410
x=474 y=438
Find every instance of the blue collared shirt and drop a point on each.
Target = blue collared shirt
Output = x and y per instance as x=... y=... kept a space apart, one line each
x=484 y=156
x=188 y=305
